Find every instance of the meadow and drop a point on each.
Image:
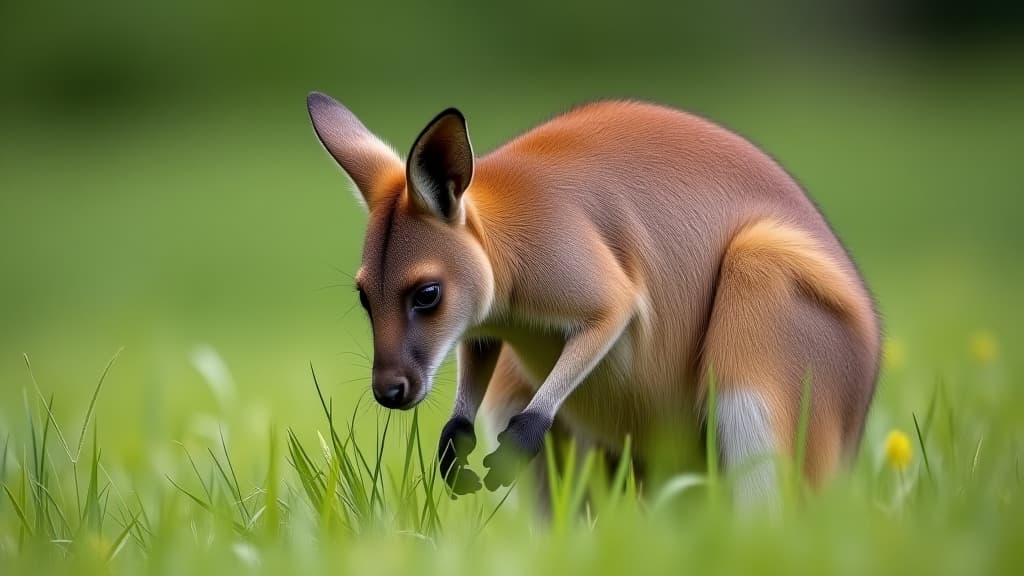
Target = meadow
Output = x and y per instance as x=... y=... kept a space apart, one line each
x=184 y=367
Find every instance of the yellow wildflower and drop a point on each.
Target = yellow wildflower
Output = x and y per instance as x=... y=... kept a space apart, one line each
x=983 y=347
x=894 y=354
x=898 y=452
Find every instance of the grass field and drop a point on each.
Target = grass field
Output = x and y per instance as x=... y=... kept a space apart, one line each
x=212 y=242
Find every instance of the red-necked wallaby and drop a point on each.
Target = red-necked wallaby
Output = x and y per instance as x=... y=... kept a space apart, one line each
x=593 y=272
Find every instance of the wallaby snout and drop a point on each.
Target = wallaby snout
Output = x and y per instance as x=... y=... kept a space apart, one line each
x=393 y=388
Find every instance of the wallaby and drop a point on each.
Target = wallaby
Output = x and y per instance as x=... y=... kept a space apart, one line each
x=593 y=273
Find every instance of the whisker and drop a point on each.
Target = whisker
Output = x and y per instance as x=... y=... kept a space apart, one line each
x=347 y=312
x=339 y=285
x=359 y=356
x=357 y=343
x=353 y=380
x=432 y=402
x=348 y=275
x=367 y=406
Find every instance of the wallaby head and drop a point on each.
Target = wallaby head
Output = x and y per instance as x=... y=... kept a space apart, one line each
x=424 y=278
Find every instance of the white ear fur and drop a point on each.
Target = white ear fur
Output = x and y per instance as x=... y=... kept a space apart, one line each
x=362 y=155
x=440 y=166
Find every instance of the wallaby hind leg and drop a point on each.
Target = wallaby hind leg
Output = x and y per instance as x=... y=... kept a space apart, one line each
x=784 y=312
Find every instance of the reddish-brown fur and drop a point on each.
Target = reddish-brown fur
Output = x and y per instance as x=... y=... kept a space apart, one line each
x=621 y=252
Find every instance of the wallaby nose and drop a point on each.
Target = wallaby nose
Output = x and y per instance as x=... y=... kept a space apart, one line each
x=393 y=393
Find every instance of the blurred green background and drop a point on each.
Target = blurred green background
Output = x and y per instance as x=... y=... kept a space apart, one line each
x=161 y=188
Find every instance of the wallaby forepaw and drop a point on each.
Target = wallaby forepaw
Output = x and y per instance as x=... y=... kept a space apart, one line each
x=457 y=441
x=517 y=445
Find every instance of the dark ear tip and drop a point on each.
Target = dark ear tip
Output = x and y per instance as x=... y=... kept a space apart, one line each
x=320 y=101
x=452 y=111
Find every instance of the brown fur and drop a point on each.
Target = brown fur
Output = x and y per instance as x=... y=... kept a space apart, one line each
x=784 y=310
x=619 y=252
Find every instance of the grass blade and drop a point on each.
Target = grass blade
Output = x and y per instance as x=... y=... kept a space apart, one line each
x=711 y=434
x=675 y=486
x=580 y=486
x=304 y=467
x=490 y=516
x=929 y=416
x=199 y=475
x=92 y=494
x=924 y=451
x=377 y=468
x=3 y=458
x=60 y=514
x=92 y=403
x=430 y=517
x=800 y=459
x=234 y=477
x=625 y=463
x=206 y=506
x=18 y=510
x=122 y=538
x=49 y=413
x=273 y=513
x=407 y=462
x=977 y=455
x=554 y=483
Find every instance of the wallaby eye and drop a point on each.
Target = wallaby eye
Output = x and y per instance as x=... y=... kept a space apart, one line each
x=426 y=297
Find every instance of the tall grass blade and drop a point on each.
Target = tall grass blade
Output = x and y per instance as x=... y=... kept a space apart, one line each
x=953 y=438
x=121 y=539
x=18 y=510
x=377 y=467
x=208 y=506
x=230 y=481
x=39 y=484
x=929 y=416
x=207 y=489
x=622 y=471
x=494 y=511
x=581 y=484
x=554 y=493
x=977 y=456
x=327 y=504
x=49 y=412
x=304 y=467
x=351 y=441
x=353 y=487
x=3 y=458
x=800 y=460
x=270 y=486
x=409 y=445
x=30 y=468
x=60 y=513
x=924 y=450
x=92 y=516
x=711 y=435
x=430 y=520
x=92 y=403
x=234 y=477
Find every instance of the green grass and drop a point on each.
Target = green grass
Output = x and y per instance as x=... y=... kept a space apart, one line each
x=323 y=498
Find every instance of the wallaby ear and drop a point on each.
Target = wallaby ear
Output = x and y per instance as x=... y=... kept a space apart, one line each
x=440 y=166
x=364 y=157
